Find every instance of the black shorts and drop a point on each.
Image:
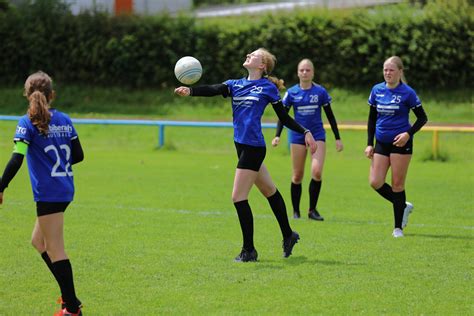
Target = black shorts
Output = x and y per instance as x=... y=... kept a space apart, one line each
x=250 y=157
x=46 y=208
x=388 y=148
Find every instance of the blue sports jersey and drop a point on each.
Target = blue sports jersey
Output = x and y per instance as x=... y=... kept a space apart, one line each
x=393 y=109
x=49 y=157
x=307 y=106
x=249 y=99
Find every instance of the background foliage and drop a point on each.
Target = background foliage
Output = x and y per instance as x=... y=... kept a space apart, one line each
x=348 y=47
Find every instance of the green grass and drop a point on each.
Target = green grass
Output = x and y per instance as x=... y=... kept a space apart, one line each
x=348 y=105
x=155 y=231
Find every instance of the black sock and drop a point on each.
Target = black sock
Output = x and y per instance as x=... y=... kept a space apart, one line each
x=279 y=209
x=296 y=196
x=314 y=189
x=48 y=262
x=386 y=191
x=246 y=223
x=63 y=270
x=399 y=204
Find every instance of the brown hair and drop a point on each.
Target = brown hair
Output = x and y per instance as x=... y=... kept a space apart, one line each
x=39 y=92
x=270 y=60
x=397 y=61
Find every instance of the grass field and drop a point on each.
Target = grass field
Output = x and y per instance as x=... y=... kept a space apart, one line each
x=448 y=106
x=155 y=232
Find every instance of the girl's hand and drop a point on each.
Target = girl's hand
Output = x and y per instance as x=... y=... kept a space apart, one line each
x=310 y=142
x=369 y=152
x=339 y=146
x=275 y=141
x=401 y=139
x=182 y=91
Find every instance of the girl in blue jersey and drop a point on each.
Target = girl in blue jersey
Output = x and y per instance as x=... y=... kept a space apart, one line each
x=250 y=96
x=51 y=145
x=307 y=98
x=390 y=103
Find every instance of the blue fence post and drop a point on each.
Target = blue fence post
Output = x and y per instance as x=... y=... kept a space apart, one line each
x=161 y=136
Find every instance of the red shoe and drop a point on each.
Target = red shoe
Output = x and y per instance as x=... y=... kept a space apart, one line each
x=63 y=304
x=65 y=312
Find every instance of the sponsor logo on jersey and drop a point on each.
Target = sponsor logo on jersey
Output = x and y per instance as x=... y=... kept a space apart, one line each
x=59 y=130
x=307 y=109
x=246 y=101
x=387 y=109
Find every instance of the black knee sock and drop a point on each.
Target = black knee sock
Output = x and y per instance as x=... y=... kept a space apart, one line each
x=63 y=270
x=279 y=209
x=399 y=204
x=246 y=222
x=314 y=189
x=386 y=191
x=296 y=196
x=48 y=262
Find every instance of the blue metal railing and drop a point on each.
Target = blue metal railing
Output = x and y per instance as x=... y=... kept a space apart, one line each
x=161 y=124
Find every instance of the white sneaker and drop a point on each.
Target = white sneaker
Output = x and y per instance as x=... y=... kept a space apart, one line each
x=406 y=212
x=397 y=232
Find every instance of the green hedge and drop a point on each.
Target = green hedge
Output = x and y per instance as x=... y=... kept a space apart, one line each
x=347 y=47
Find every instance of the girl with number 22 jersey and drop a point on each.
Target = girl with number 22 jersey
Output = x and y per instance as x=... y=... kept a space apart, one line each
x=50 y=143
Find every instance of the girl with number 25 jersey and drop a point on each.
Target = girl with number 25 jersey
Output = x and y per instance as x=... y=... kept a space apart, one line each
x=390 y=104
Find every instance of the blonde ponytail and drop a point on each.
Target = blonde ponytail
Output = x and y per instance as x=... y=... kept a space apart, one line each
x=280 y=83
x=270 y=61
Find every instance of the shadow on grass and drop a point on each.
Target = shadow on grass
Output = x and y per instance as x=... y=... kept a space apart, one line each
x=301 y=260
x=444 y=236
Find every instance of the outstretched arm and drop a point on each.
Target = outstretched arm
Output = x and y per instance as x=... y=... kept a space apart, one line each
x=204 y=90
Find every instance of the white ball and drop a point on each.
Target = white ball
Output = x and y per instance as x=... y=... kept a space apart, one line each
x=188 y=70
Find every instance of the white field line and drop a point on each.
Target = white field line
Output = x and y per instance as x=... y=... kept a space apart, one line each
x=10 y=207
x=232 y=213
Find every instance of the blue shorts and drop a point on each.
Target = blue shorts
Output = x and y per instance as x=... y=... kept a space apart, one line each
x=297 y=138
